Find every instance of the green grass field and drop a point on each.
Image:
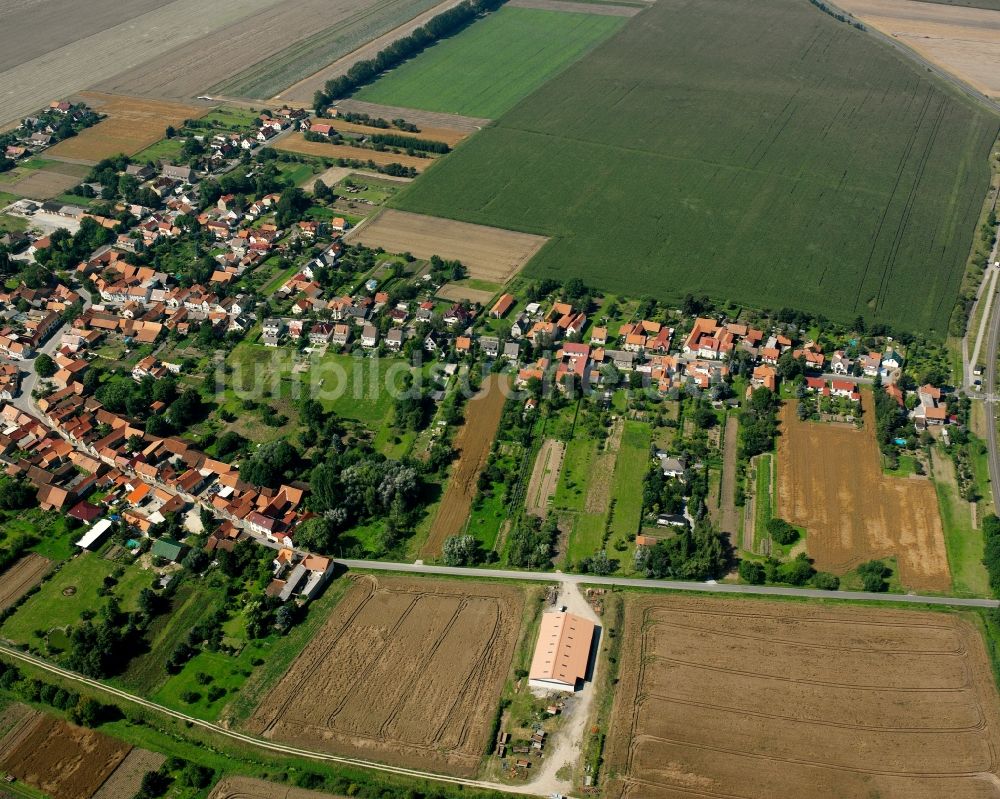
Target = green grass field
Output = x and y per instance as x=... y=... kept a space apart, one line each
x=793 y=161
x=963 y=542
x=307 y=56
x=487 y=68
x=50 y=607
x=630 y=468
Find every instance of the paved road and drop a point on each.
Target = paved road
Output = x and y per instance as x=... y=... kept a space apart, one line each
x=24 y=401
x=989 y=389
x=79 y=679
x=673 y=585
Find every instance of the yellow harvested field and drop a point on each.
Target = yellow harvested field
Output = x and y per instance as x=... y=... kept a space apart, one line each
x=449 y=136
x=489 y=253
x=456 y=293
x=296 y=143
x=962 y=41
x=132 y=124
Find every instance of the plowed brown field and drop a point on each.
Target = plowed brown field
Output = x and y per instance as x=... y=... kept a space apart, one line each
x=249 y=788
x=127 y=778
x=489 y=253
x=830 y=482
x=756 y=700
x=133 y=124
x=405 y=671
x=20 y=578
x=63 y=760
x=473 y=442
x=296 y=143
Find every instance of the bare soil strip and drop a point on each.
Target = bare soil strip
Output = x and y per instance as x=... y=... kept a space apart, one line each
x=489 y=253
x=720 y=698
x=404 y=671
x=962 y=41
x=830 y=482
x=21 y=577
x=602 y=9
x=303 y=91
x=422 y=119
x=473 y=442
x=296 y=143
x=545 y=476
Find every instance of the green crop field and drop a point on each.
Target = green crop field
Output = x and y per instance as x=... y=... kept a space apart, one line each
x=306 y=57
x=792 y=161
x=487 y=68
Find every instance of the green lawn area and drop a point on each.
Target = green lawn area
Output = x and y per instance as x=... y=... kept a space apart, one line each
x=484 y=70
x=54 y=538
x=848 y=178
x=6 y=198
x=630 y=468
x=50 y=607
x=190 y=604
x=906 y=467
x=963 y=542
x=571 y=490
x=586 y=536
x=486 y=520
x=762 y=498
x=13 y=224
x=230 y=117
x=298 y=173
x=163 y=150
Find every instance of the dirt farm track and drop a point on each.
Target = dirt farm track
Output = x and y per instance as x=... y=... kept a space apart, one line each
x=473 y=442
x=830 y=482
x=405 y=671
x=758 y=699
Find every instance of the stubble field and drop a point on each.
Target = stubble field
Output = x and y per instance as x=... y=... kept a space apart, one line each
x=491 y=254
x=757 y=699
x=795 y=161
x=21 y=577
x=404 y=671
x=482 y=415
x=830 y=482
x=964 y=41
x=62 y=760
x=296 y=143
x=132 y=125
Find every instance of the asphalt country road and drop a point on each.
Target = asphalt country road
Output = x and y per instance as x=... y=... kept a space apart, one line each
x=672 y=585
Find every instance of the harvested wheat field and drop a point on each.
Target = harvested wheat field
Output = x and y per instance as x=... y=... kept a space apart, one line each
x=449 y=136
x=20 y=578
x=489 y=253
x=473 y=442
x=404 y=671
x=296 y=143
x=127 y=778
x=830 y=482
x=756 y=699
x=63 y=760
x=544 y=476
x=133 y=124
x=249 y=788
x=962 y=41
x=41 y=184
